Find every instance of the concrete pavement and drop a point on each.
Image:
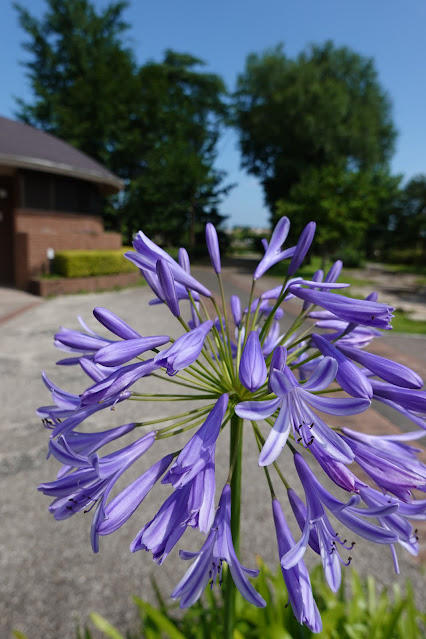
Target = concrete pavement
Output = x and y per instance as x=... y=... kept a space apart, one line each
x=50 y=577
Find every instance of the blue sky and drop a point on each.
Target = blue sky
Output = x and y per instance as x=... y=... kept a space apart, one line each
x=222 y=33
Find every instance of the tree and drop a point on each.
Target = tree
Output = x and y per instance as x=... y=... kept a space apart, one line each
x=407 y=228
x=82 y=76
x=320 y=123
x=346 y=206
x=175 y=186
x=156 y=126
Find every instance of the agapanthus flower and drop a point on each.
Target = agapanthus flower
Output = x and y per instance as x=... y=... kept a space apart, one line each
x=240 y=363
x=148 y=253
x=199 y=451
x=93 y=477
x=190 y=505
x=316 y=499
x=296 y=578
x=273 y=250
x=185 y=350
x=253 y=369
x=349 y=309
x=207 y=566
x=295 y=403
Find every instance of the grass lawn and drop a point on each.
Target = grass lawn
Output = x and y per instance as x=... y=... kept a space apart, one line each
x=403 y=324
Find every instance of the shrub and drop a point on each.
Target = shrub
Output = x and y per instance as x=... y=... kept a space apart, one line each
x=86 y=263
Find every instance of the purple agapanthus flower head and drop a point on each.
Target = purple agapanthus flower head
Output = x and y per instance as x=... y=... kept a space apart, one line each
x=273 y=251
x=283 y=359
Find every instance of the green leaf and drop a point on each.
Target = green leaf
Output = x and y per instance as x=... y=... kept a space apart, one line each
x=104 y=626
x=161 y=620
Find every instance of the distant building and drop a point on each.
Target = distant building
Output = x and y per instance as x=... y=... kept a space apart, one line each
x=50 y=200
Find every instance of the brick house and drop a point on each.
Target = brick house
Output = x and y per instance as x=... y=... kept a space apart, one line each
x=50 y=198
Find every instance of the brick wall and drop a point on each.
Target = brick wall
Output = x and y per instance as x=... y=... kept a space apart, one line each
x=36 y=231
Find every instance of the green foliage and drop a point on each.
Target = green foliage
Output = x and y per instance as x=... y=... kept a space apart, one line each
x=156 y=126
x=318 y=133
x=405 y=227
x=363 y=613
x=86 y=263
x=175 y=188
x=78 y=67
x=343 y=203
x=402 y=323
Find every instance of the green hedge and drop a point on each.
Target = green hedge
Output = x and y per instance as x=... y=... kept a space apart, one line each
x=86 y=263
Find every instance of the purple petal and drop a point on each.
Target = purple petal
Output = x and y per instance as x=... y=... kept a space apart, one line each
x=257 y=410
x=385 y=368
x=236 y=309
x=213 y=247
x=336 y=405
x=183 y=259
x=348 y=375
x=253 y=371
x=168 y=288
x=277 y=437
x=114 y=323
x=121 y=352
x=122 y=507
x=323 y=375
x=302 y=247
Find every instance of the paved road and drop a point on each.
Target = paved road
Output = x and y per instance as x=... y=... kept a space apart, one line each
x=50 y=578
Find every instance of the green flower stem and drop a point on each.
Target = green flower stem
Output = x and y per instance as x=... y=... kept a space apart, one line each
x=301 y=338
x=237 y=364
x=168 y=431
x=234 y=479
x=260 y=441
x=228 y=334
x=255 y=315
x=167 y=378
x=248 y=311
x=147 y=397
x=225 y=349
x=186 y=420
x=217 y=340
x=268 y=477
x=194 y=411
x=270 y=317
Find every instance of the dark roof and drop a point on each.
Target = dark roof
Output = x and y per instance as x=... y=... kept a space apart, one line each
x=23 y=146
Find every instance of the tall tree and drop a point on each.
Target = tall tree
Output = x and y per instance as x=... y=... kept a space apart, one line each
x=82 y=76
x=156 y=126
x=319 y=120
x=176 y=184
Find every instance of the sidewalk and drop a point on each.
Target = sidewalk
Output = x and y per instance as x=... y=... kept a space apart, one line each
x=14 y=302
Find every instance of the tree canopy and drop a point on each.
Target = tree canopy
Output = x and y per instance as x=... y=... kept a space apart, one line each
x=156 y=126
x=318 y=126
x=82 y=76
x=176 y=184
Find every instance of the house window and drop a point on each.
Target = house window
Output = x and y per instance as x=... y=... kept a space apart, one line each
x=59 y=193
